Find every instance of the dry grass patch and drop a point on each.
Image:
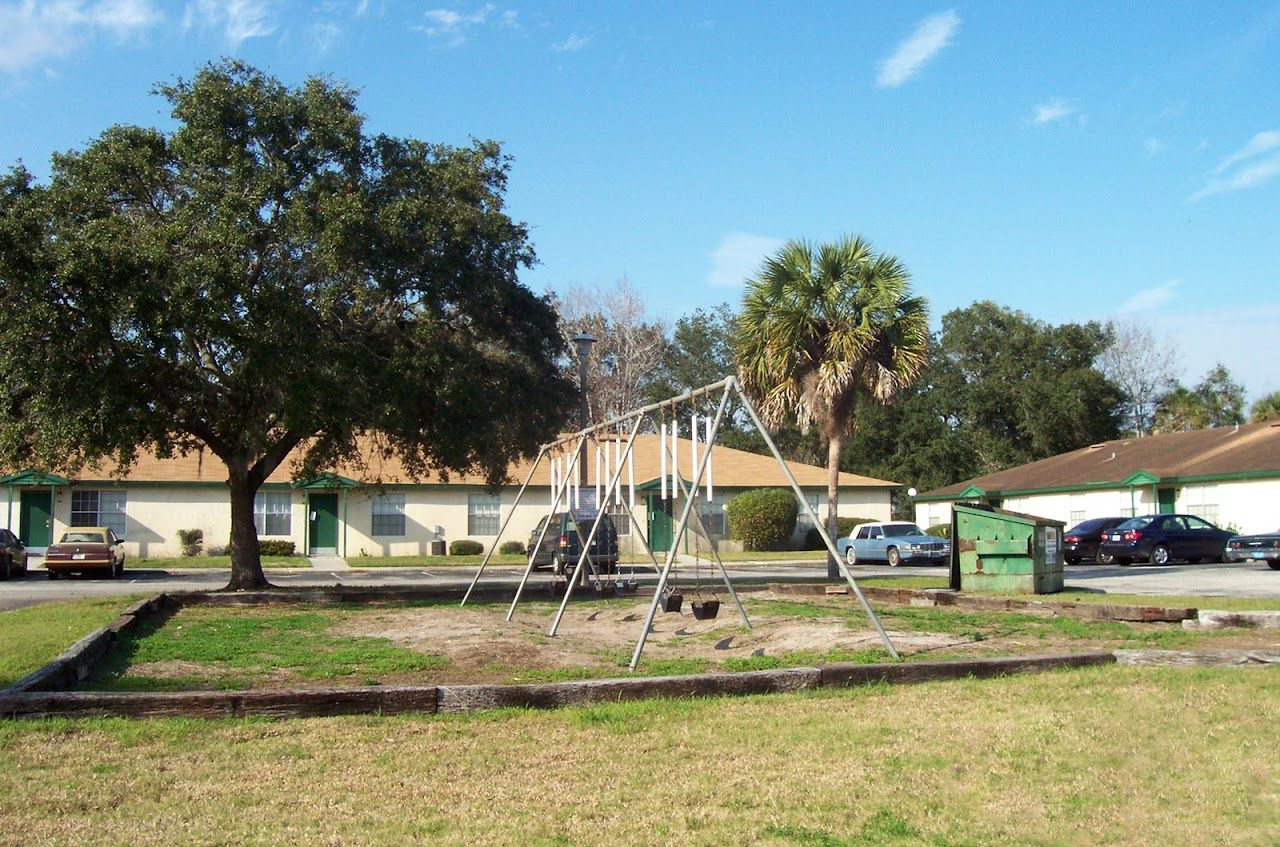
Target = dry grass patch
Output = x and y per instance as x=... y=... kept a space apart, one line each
x=1101 y=756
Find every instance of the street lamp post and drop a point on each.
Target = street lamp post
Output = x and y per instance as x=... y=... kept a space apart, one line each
x=583 y=341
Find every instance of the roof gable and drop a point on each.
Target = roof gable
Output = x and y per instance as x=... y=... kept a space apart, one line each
x=1243 y=451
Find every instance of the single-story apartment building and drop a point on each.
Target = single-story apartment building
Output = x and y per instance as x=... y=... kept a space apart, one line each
x=1230 y=476
x=383 y=511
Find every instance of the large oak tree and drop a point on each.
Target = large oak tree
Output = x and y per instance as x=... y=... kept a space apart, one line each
x=268 y=278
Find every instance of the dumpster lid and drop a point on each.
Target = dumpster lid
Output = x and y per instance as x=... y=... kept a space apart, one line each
x=1020 y=516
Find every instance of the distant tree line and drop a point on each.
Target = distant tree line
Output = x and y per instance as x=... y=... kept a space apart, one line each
x=1000 y=388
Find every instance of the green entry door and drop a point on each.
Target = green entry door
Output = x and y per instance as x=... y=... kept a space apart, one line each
x=324 y=523
x=660 y=523
x=35 y=523
x=1165 y=500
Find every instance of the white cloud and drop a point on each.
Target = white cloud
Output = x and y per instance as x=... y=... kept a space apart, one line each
x=1263 y=142
x=1154 y=146
x=739 y=256
x=32 y=32
x=571 y=44
x=1253 y=164
x=238 y=20
x=450 y=27
x=1150 y=298
x=325 y=34
x=1051 y=110
x=925 y=41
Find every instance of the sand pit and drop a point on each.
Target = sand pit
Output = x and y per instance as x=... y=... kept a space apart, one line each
x=481 y=645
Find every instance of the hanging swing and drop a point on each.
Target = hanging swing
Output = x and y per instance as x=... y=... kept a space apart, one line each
x=672 y=598
x=703 y=608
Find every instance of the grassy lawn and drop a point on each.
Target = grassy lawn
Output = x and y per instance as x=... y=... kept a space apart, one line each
x=1171 y=601
x=215 y=562
x=32 y=636
x=1100 y=756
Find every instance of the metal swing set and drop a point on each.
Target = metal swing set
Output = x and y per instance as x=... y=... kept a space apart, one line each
x=613 y=458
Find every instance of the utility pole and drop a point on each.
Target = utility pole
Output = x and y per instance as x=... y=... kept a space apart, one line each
x=583 y=341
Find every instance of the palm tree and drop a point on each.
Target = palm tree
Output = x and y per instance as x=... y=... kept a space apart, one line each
x=1266 y=408
x=823 y=327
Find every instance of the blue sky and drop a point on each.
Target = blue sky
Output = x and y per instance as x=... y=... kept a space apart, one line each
x=1073 y=160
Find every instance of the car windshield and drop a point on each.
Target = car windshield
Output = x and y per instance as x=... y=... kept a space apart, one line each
x=1135 y=523
x=898 y=530
x=82 y=538
x=1088 y=526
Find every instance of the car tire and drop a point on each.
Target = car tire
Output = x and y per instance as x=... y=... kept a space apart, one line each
x=1274 y=564
x=1160 y=555
x=893 y=556
x=1104 y=558
x=1124 y=561
x=1072 y=560
x=6 y=569
x=52 y=574
x=120 y=570
x=850 y=556
x=557 y=565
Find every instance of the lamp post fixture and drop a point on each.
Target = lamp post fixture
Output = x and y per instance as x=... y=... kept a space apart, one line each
x=583 y=341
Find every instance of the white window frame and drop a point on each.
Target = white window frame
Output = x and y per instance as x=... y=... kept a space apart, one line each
x=94 y=507
x=484 y=514
x=386 y=519
x=272 y=512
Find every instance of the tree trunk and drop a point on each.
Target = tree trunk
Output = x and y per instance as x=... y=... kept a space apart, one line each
x=834 y=444
x=246 y=561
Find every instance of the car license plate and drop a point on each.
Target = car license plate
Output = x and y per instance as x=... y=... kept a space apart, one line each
x=77 y=555
x=1258 y=554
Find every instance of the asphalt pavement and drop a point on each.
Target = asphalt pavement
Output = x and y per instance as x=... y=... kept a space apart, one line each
x=1228 y=580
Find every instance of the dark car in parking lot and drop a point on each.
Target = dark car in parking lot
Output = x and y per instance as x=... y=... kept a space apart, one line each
x=1082 y=540
x=13 y=555
x=562 y=546
x=1159 y=539
x=1264 y=546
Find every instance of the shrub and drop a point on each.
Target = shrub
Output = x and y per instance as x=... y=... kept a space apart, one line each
x=511 y=547
x=763 y=518
x=465 y=547
x=275 y=547
x=217 y=550
x=191 y=540
x=939 y=530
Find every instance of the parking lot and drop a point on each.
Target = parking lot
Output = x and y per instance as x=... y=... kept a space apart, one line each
x=1208 y=580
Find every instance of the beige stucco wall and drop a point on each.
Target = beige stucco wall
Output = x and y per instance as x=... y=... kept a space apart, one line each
x=155 y=513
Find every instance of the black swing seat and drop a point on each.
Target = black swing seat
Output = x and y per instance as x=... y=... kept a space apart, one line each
x=705 y=610
x=672 y=601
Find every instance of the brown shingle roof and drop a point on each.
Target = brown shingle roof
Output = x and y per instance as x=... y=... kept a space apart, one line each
x=732 y=469
x=1226 y=451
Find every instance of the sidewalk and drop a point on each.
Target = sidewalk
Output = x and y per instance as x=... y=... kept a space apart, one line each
x=328 y=563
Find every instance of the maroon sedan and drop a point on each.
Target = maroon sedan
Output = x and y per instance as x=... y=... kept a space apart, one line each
x=84 y=550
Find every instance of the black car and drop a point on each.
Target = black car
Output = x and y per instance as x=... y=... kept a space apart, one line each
x=1081 y=541
x=561 y=545
x=1159 y=539
x=1254 y=548
x=13 y=556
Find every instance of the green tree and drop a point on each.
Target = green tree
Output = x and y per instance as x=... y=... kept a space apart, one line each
x=268 y=277
x=822 y=328
x=1216 y=400
x=1001 y=389
x=1266 y=408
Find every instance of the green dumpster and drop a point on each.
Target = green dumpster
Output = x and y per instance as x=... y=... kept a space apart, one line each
x=1007 y=552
